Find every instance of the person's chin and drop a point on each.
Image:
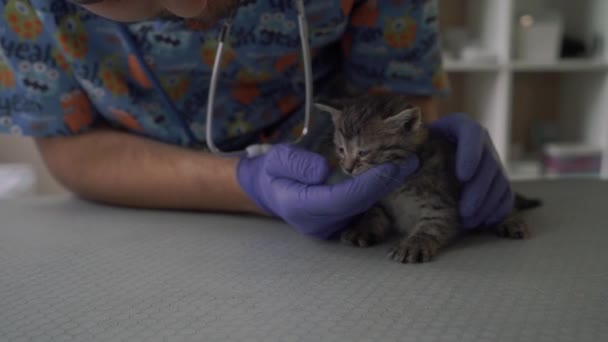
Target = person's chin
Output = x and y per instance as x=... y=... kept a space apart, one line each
x=217 y=11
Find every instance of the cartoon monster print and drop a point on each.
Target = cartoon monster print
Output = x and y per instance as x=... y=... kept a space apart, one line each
x=248 y=10
x=176 y=86
x=288 y=103
x=22 y=19
x=238 y=126
x=7 y=78
x=400 y=33
x=6 y=123
x=95 y=93
x=276 y=23
x=137 y=72
x=38 y=79
x=208 y=50
x=169 y=43
x=246 y=76
x=126 y=119
x=431 y=14
x=72 y=37
x=245 y=94
x=366 y=16
x=403 y=70
x=155 y=120
x=111 y=77
x=60 y=60
x=151 y=121
x=78 y=112
x=286 y=61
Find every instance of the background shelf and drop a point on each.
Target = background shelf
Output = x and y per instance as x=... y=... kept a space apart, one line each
x=458 y=66
x=567 y=65
x=524 y=104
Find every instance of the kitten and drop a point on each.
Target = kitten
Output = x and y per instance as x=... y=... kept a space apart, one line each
x=373 y=129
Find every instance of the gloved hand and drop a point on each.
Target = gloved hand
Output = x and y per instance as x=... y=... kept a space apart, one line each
x=487 y=196
x=289 y=182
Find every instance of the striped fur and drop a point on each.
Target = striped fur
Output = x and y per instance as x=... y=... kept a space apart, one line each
x=375 y=129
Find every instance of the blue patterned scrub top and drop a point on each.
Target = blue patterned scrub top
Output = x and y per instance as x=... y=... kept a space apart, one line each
x=63 y=69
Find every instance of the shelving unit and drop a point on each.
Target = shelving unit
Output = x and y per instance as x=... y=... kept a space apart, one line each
x=512 y=98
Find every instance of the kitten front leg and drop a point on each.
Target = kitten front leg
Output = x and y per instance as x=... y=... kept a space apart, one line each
x=514 y=227
x=372 y=228
x=432 y=232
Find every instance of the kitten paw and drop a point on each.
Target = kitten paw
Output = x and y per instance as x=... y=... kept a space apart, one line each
x=360 y=237
x=414 y=249
x=513 y=228
x=371 y=229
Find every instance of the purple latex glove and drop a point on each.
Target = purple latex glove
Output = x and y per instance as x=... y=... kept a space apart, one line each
x=289 y=182
x=487 y=197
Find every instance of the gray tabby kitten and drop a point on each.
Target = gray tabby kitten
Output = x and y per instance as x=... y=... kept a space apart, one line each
x=375 y=129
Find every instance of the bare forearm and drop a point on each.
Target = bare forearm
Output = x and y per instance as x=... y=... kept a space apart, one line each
x=122 y=169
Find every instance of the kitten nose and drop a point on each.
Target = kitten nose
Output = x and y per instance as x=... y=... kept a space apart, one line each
x=349 y=165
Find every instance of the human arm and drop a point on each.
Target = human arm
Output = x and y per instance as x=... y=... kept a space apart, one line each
x=289 y=183
x=118 y=168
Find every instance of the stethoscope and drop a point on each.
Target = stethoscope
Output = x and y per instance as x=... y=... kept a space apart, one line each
x=251 y=150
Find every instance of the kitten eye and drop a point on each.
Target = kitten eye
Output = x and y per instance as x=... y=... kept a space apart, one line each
x=363 y=153
x=341 y=150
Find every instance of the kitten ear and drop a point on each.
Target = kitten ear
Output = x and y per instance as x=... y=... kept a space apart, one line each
x=328 y=108
x=409 y=119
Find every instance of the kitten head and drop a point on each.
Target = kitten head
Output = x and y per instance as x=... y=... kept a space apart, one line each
x=374 y=129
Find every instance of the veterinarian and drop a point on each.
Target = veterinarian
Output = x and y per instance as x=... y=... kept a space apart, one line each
x=115 y=94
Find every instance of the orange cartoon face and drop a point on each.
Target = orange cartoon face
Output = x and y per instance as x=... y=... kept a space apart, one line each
x=22 y=19
x=246 y=76
x=288 y=104
x=137 y=72
x=238 y=126
x=245 y=94
x=7 y=78
x=367 y=15
x=72 y=37
x=111 y=77
x=78 y=111
x=209 y=49
x=126 y=119
x=61 y=61
x=176 y=86
x=400 y=33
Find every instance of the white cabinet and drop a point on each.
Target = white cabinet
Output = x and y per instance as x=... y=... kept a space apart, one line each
x=524 y=103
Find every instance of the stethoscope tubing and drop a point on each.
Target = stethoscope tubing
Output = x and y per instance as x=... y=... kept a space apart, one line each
x=252 y=150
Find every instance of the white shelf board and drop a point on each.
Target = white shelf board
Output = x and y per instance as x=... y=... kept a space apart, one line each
x=529 y=170
x=464 y=66
x=574 y=65
x=524 y=170
x=564 y=65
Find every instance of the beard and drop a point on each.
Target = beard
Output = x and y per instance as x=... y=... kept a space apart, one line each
x=215 y=11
